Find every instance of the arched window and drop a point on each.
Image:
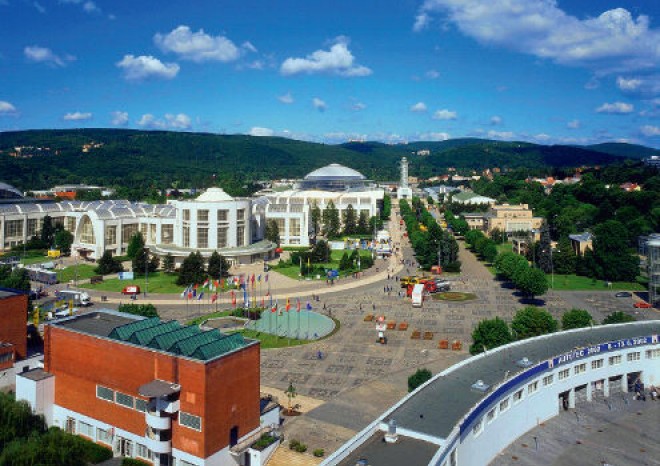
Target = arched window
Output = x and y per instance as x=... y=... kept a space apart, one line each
x=87 y=231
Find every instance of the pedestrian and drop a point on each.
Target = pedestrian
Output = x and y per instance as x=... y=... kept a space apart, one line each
x=373 y=306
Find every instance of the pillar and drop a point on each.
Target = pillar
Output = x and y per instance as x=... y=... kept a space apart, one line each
x=571 y=399
x=590 y=386
x=624 y=383
x=606 y=387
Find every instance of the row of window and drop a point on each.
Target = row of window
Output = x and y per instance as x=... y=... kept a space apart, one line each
x=222 y=215
x=128 y=401
x=563 y=374
x=106 y=436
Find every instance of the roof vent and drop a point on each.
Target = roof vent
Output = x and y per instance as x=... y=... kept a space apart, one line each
x=480 y=386
x=524 y=362
x=391 y=435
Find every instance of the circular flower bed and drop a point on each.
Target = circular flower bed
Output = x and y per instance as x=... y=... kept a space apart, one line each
x=454 y=296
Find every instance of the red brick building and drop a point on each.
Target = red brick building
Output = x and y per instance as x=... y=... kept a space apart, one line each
x=13 y=327
x=151 y=389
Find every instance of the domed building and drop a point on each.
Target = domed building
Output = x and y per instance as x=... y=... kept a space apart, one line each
x=334 y=183
x=7 y=191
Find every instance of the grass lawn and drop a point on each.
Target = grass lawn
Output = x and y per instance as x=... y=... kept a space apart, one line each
x=159 y=282
x=293 y=271
x=272 y=341
x=504 y=247
x=577 y=283
x=85 y=271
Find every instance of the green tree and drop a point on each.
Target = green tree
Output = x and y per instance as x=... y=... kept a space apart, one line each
x=418 y=378
x=489 y=251
x=543 y=254
x=321 y=252
x=345 y=262
x=532 y=321
x=498 y=236
x=331 y=221
x=108 y=264
x=315 y=217
x=612 y=252
x=576 y=318
x=144 y=310
x=47 y=230
x=489 y=334
x=63 y=241
x=618 y=317
x=386 y=211
x=272 y=232
x=168 y=263
x=564 y=258
x=507 y=263
x=363 y=223
x=350 y=220
x=532 y=282
x=18 y=279
x=218 y=266
x=135 y=244
x=192 y=270
x=142 y=264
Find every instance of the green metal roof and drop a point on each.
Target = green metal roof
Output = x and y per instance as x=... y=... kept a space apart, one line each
x=144 y=337
x=188 y=346
x=167 y=340
x=124 y=332
x=218 y=347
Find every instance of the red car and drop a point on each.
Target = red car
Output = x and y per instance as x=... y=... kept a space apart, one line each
x=642 y=305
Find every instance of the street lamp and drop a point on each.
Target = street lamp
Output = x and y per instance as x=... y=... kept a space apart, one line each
x=146 y=271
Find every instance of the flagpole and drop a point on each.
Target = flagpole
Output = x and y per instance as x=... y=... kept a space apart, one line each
x=288 y=328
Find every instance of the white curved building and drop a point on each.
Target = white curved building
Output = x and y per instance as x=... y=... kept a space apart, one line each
x=467 y=414
x=343 y=186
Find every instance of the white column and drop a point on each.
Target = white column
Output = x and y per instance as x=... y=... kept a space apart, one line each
x=624 y=383
x=571 y=398
x=590 y=391
x=606 y=387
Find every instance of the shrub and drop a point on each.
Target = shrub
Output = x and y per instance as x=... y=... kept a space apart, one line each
x=418 y=378
x=264 y=442
x=293 y=444
x=133 y=462
x=319 y=452
x=301 y=448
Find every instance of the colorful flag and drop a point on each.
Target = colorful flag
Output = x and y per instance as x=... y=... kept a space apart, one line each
x=216 y=283
x=273 y=308
x=263 y=303
x=288 y=305
x=196 y=286
x=259 y=278
x=298 y=304
x=266 y=279
x=233 y=298
x=309 y=306
x=194 y=293
x=184 y=293
x=201 y=295
x=206 y=282
x=252 y=279
x=190 y=294
x=214 y=298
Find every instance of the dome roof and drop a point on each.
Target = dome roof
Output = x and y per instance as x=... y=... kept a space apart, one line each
x=214 y=195
x=334 y=171
x=7 y=191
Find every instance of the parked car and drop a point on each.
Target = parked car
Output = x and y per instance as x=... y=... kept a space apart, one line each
x=623 y=294
x=642 y=305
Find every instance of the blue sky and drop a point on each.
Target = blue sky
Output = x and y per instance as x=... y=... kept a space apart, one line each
x=544 y=71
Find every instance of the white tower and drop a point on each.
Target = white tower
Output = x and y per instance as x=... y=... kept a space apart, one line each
x=404 y=191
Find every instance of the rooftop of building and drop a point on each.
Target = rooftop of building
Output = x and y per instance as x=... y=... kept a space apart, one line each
x=582 y=237
x=334 y=171
x=9 y=293
x=154 y=334
x=445 y=402
x=406 y=450
x=36 y=374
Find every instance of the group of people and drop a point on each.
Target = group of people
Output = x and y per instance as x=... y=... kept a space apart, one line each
x=640 y=393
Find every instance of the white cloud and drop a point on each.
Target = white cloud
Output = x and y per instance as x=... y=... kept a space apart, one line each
x=37 y=54
x=419 y=107
x=432 y=74
x=500 y=134
x=496 y=120
x=247 y=45
x=573 y=124
x=542 y=137
x=648 y=85
x=87 y=5
x=338 y=60
x=258 y=131
x=77 y=116
x=286 y=98
x=144 y=67
x=444 y=114
x=198 y=46
x=358 y=106
x=319 y=104
x=422 y=20
x=650 y=131
x=619 y=108
x=6 y=108
x=432 y=136
x=628 y=84
x=40 y=8
x=119 y=118
x=613 y=41
x=180 y=121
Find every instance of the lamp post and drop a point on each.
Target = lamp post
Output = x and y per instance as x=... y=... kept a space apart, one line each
x=146 y=271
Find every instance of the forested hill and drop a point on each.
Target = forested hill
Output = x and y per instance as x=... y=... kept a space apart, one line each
x=159 y=158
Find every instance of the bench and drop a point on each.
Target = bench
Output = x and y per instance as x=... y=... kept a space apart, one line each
x=403 y=326
x=428 y=335
x=443 y=344
x=391 y=325
x=368 y=317
x=456 y=345
x=416 y=335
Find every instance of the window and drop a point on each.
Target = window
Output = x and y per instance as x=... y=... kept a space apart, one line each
x=579 y=369
x=294 y=227
x=240 y=236
x=141 y=405
x=548 y=379
x=87 y=231
x=504 y=405
x=167 y=234
x=110 y=235
x=70 y=224
x=105 y=393
x=564 y=374
x=190 y=420
x=280 y=225
x=532 y=387
x=85 y=429
x=222 y=215
x=240 y=214
x=103 y=436
x=14 y=228
x=614 y=360
x=202 y=237
x=128 y=231
x=142 y=451
x=32 y=227
x=477 y=428
x=517 y=396
x=222 y=237
x=186 y=237
x=124 y=400
x=634 y=356
x=597 y=364
x=186 y=215
x=202 y=216
x=491 y=415
x=653 y=354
